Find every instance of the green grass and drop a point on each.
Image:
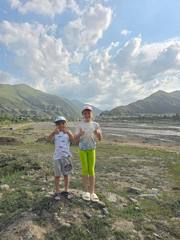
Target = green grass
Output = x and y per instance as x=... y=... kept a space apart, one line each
x=30 y=163
x=174 y=171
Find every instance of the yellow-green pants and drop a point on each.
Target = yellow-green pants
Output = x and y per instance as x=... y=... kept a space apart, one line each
x=88 y=159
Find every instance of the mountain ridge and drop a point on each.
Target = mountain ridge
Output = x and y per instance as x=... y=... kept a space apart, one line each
x=23 y=100
x=159 y=102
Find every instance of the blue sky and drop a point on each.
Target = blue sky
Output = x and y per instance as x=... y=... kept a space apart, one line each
x=106 y=52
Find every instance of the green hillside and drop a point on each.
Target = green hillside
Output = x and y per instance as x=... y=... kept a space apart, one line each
x=22 y=100
x=158 y=103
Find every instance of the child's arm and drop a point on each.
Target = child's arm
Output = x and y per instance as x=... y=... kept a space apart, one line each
x=70 y=134
x=51 y=136
x=78 y=135
x=98 y=133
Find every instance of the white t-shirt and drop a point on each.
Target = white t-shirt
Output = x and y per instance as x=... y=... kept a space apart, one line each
x=87 y=141
x=62 y=146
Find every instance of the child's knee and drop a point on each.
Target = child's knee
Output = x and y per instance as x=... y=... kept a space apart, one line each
x=57 y=177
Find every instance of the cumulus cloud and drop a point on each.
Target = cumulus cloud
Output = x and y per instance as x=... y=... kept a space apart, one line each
x=86 y=30
x=135 y=70
x=115 y=75
x=44 y=7
x=125 y=32
x=41 y=57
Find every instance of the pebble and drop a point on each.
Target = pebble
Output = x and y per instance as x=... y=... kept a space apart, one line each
x=4 y=187
x=149 y=196
x=156 y=235
x=101 y=204
x=133 y=200
x=105 y=211
x=134 y=190
x=87 y=215
x=177 y=214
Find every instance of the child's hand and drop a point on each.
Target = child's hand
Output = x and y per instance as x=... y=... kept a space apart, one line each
x=66 y=130
x=56 y=131
x=98 y=134
x=81 y=132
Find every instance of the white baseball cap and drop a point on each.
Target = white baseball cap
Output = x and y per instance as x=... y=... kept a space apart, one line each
x=59 y=118
x=87 y=107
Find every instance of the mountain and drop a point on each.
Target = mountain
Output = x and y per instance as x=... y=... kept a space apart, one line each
x=23 y=100
x=159 y=102
x=80 y=105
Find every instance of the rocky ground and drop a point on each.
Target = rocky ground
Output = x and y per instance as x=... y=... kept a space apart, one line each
x=139 y=189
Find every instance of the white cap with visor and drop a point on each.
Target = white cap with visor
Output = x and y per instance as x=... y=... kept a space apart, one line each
x=60 y=118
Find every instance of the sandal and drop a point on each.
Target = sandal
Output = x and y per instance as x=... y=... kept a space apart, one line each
x=86 y=196
x=57 y=197
x=94 y=198
x=67 y=195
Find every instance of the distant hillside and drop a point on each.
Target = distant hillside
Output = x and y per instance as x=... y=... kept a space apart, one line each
x=22 y=100
x=158 y=103
x=80 y=105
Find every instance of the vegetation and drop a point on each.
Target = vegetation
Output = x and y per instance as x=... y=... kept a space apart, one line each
x=27 y=170
x=24 y=103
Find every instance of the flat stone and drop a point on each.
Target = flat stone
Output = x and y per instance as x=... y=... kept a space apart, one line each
x=101 y=204
x=177 y=214
x=4 y=187
x=133 y=200
x=157 y=236
x=149 y=196
x=134 y=190
x=87 y=215
x=105 y=211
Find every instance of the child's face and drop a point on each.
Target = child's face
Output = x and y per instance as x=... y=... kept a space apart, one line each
x=87 y=114
x=61 y=125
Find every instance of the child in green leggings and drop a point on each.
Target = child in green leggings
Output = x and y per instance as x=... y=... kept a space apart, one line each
x=87 y=131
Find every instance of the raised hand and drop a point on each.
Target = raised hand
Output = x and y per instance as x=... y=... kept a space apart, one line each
x=56 y=131
x=98 y=134
x=81 y=132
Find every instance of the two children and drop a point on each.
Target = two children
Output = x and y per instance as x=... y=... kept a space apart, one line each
x=86 y=133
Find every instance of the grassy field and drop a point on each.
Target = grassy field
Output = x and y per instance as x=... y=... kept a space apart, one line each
x=139 y=188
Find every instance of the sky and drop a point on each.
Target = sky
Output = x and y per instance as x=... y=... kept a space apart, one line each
x=105 y=52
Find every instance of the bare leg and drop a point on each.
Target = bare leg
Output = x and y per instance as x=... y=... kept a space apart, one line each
x=57 y=184
x=92 y=184
x=85 y=181
x=66 y=183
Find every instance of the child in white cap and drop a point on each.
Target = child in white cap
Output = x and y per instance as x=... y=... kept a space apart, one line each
x=87 y=132
x=61 y=136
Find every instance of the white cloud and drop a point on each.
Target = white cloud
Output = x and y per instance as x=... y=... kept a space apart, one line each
x=44 y=7
x=88 y=28
x=41 y=57
x=134 y=71
x=6 y=78
x=113 y=76
x=125 y=32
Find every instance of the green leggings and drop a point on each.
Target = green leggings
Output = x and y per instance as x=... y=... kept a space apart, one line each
x=88 y=159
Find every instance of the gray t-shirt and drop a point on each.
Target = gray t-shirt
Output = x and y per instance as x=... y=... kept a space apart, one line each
x=87 y=141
